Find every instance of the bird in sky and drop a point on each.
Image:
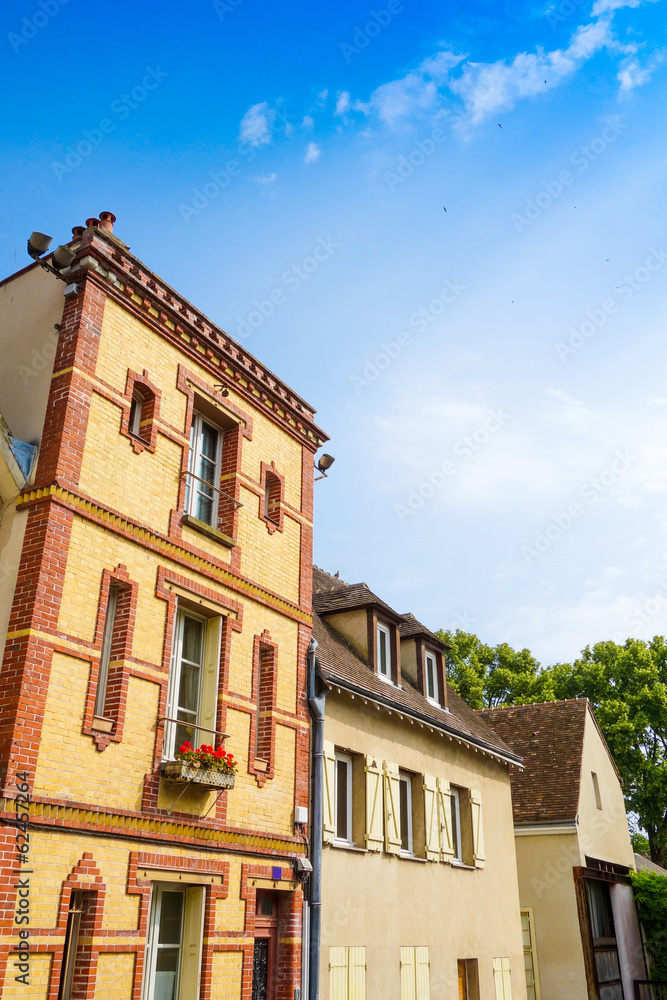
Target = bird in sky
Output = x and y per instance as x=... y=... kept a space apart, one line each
x=499 y=125
x=444 y=209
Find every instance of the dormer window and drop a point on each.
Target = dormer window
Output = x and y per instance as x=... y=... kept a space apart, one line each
x=431 y=678
x=383 y=654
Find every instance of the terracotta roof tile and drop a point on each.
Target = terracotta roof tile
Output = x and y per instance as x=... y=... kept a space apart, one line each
x=550 y=738
x=352 y=596
x=410 y=626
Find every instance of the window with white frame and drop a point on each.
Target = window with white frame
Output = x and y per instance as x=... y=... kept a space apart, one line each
x=343 y=798
x=193 y=681
x=405 y=798
x=457 y=844
x=136 y=409
x=173 y=954
x=203 y=481
x=431 y=671
x=105 y=656
x=383 y=653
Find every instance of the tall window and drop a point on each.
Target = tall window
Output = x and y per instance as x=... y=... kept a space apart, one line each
x=529 y=957
x=383 y=655
x=603 y=933
x=105 y=656
x=77 y=953
x=405 y=794
x=468 y=973
x=136 y=408
x=272 y=491
x=173 y=959
x=431 y=678
x=266 y=679
x=203 y=481
x=596 y=790
x=343 y=798
x=186 y=682
x=457 y=844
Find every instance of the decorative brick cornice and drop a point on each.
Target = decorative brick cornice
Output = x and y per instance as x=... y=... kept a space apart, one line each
x=108 y=263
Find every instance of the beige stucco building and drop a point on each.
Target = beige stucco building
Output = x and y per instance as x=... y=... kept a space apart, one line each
x=420 y=895
x=581 y=935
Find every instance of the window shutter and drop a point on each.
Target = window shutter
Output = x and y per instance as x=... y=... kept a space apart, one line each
x=498 y=978
x=193 y=932
x=328 y=804
x=477 y=829
x=338 y=974
x=209 y=693
x=392 y=809
x=431 y=828
x=374 y=829
x=422 y=974
x=507 y=979
x=357 y=974
x=408 y=982
x=445 y=820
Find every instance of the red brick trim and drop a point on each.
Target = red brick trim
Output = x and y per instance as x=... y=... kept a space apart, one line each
x=290 y=929
x=262 y=742
x=271 y=481
x=84 y=877
x=121 y=651
x=150 y=412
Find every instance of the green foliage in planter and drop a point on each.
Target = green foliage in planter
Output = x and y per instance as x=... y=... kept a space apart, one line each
x=651 y=895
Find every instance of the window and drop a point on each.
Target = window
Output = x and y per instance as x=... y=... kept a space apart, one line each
x=455 y=806
x=105 y=656
x=603 y=933
x=405 y=796
x=383 y=655
x=173 y=959
x=203 y=480
x=193 y=682
x=68 y=986
x=596 y=790
x=468 y=973
x=502 y=979
x=136 y=408
x=343 y=798
x=529 y=956
x=347 y=973
x=431 y=678
x=415 y=978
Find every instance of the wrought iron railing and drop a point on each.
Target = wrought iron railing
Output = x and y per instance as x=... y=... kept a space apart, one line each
x=650 y=990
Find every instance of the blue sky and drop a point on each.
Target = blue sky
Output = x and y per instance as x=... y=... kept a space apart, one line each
x=492 y=376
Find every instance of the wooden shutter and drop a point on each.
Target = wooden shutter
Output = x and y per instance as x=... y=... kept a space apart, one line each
x=422 y=974
x=477 y=829
x=392 y=809
x=408 y=981
x=338 y=974
x=356 y=965
x=209 y=690
x=328 y=794
x=374 y=829
x=193 y=933
x=445 y=820
x=502 y=978
x=507 y=979
x=431 y=825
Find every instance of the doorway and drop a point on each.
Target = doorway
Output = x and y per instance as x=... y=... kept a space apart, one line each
x=266 y=942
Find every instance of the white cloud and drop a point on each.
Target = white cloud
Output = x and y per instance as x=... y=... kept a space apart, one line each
x=635 y=75
x=308 y=123
x=313 y=153
x=342 y=104
x=256 y=124
x=415 y=92
x=266 y=180
x=322 y=98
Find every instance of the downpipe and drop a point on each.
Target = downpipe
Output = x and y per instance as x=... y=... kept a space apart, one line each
x=317 y=693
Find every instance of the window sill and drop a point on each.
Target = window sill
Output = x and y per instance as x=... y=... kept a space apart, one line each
x=342 y=845
x=460 y=864
x=209 y=530
x=102 y=725
x=382 y=677
x=412 y=857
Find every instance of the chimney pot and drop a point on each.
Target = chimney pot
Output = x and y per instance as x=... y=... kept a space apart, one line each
x=107 y=220
x=92 y=222
x=77 y=232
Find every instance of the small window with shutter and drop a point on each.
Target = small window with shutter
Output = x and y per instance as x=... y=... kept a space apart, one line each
x=415 y=974
x=347 y=973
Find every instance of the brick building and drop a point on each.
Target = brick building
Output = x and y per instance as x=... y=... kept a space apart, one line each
x=155 y=585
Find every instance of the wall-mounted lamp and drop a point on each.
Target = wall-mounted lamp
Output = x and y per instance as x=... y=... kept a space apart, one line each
x=323 y=466
x=61 y=258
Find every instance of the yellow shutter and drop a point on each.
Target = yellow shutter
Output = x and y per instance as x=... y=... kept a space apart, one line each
x=193 y=932
x=445 y=820
x=209 y=690
x=422 y=974
x=374 y=829
x=507 y=979
x=356 y=974
x=338 y=974
x=408 y=982
x=431 y=827
x=477 y=829
x=392 y=809
x=328 y=794
x=498 y=978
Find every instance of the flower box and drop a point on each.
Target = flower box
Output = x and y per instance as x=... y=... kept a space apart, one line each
x=182 y=770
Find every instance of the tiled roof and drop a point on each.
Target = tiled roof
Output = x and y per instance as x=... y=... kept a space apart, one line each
x=350 y=597
x=324 y=582
x=341 y=664
x=410 y=626
x=644 y=864
x=550 y=738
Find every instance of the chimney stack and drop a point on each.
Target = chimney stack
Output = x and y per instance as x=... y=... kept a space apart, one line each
x=77 y=232
x=92 y=222
x=107 y=220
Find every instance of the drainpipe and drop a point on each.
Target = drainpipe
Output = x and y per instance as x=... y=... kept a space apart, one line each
x=317 y=694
